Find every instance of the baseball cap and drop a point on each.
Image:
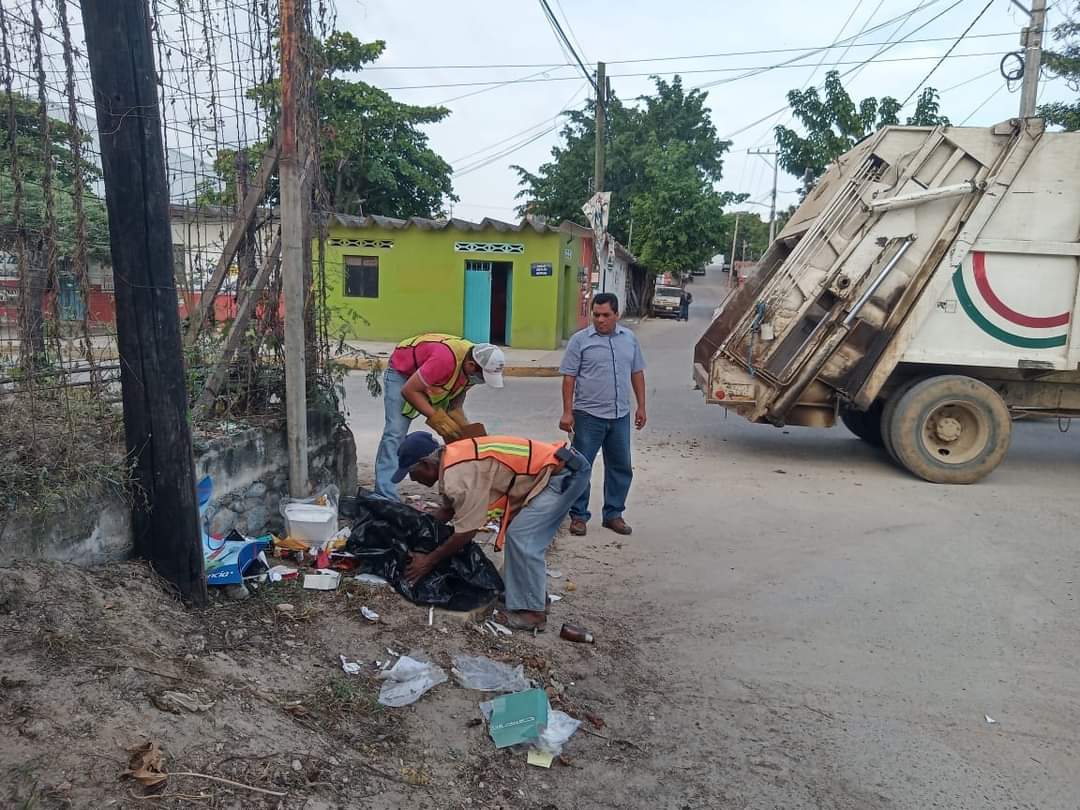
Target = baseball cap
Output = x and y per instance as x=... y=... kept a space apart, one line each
x=491 y=359
x=414 y=449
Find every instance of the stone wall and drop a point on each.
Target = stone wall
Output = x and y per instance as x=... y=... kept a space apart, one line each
x=249 y=468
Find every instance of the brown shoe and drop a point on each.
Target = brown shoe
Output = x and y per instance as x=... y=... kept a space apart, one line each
x=578 y=527
x=618 y=525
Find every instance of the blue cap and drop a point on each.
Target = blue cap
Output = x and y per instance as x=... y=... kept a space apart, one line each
x=414 y=449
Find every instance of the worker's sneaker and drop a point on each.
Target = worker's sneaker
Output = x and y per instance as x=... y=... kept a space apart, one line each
x=618 y=525
x=578 y=527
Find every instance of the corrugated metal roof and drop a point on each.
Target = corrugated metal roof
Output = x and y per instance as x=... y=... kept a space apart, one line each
x=374 y=220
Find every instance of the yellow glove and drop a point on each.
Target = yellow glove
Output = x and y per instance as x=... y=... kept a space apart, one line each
x=446 y=427
x=458 y=415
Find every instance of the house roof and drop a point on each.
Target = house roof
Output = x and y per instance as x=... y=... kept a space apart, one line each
x=537 y=224
x=374 y=220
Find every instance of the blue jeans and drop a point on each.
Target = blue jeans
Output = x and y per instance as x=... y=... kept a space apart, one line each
x=396 y=429
x=591 y=433
x=530 y=533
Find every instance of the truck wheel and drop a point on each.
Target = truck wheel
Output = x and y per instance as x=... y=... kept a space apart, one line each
x=950 y=429
x=887 y=412
x=865 y=424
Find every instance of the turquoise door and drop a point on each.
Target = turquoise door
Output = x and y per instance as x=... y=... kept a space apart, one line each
x=477 y=301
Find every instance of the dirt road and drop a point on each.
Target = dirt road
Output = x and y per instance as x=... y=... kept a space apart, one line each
x=808 y=626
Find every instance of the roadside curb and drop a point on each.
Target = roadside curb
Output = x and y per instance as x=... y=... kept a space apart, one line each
x=365 y=364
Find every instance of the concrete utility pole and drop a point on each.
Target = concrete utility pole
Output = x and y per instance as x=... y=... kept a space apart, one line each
x=293 y=22
x=601 y=124
x=1031 y=39
x=775 y=175
x=165 y=518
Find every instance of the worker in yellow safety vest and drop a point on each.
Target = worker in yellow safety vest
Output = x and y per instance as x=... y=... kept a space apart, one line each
x=532 y=484
x=429 y=375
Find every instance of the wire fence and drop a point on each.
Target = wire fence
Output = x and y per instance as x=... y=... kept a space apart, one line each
x=218 y=72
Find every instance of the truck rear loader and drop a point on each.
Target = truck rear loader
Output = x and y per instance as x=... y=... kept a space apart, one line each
x=925 y=293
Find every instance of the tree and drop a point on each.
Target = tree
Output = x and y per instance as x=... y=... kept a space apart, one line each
x=372 y=151
x=835 y=123
x=663 y=159
x=1065 y=62
x=44 y=222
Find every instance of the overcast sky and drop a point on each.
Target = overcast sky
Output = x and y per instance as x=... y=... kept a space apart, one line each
x=484 y=125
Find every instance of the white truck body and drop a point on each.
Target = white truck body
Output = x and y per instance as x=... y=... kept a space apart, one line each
x=922 y=253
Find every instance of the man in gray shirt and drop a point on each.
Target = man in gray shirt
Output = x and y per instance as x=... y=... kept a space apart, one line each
x=602 y=365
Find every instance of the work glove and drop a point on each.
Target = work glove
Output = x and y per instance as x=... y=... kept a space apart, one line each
x=446 y=427
x=458 y=415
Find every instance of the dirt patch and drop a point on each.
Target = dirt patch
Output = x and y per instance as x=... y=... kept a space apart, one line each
x=95 y=664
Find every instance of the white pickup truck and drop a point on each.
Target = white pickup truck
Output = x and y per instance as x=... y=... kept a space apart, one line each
x=926 y=293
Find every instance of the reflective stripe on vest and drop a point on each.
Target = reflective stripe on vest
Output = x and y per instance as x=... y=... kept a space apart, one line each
x=520 y=456
x=451 y=390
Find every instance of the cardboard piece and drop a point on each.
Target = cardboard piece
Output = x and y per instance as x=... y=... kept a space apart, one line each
x=518 y=717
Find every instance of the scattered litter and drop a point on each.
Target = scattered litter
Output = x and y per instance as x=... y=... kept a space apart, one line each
x=371 y=579
x=555 y=574
x=498 y=629
x=322 y=581
x=572 y=632
x=228 y=559
x=282 y=573
x=516 y=718
x=407 y=680
x=297 y=765
x=554 y=597
x=541 y=759
x=558 y=730
x=285 y=607
x=430 y=616
x=392 y=652
x=780 y=472
x=485 y=675
x=369 y=614
x=990 y=720
x=571 y=587
x=177 y=702
x=312 y=519
x=349 y=667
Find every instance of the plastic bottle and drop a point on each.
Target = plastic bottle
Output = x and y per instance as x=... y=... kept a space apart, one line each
x=572 y=632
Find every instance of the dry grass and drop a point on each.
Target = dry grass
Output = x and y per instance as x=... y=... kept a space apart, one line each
x=57 y=447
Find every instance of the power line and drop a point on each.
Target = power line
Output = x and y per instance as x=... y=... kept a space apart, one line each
x=983 y=104
x=945 y=56
x=570 y=28
x=754 y=70
x=561 y=35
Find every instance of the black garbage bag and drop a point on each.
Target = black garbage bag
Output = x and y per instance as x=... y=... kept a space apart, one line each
x=383 y=534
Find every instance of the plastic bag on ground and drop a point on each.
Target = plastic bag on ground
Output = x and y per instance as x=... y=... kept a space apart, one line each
x=558 y=731
x=407 y=680
x=485 y=675
x=385 y=532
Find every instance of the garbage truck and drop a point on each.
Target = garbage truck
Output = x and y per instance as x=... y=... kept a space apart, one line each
x=924 y=294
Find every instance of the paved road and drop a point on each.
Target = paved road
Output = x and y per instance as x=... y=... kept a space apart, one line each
x=825 y=630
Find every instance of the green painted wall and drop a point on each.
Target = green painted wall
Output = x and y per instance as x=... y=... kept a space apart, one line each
x=422 y=283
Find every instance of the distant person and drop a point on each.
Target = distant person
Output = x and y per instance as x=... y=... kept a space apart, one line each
x=602 y=364
x=684 y=305
x=430 y=375
x=533 y=483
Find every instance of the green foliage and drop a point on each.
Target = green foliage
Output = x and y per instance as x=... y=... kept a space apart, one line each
x=30 y=149
x=835 y=123
x=663 y=158
x=1065 y=62
x=374 y=155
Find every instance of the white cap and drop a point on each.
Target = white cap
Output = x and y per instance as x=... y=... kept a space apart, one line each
x=490 y=358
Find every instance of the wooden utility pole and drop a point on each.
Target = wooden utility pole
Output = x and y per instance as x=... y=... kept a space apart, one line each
x=293 y=22
x=165 y=515
x=601 y=124
x=1032 y=41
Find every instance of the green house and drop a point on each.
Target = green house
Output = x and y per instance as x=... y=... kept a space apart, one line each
x=515 y=285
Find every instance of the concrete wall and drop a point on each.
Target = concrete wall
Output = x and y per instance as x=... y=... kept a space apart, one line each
x=422 y=282
x=249 y=469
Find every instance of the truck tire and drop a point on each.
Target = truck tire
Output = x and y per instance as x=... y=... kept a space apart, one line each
x=865 y=424
x=887 y=412
x=950 y=429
